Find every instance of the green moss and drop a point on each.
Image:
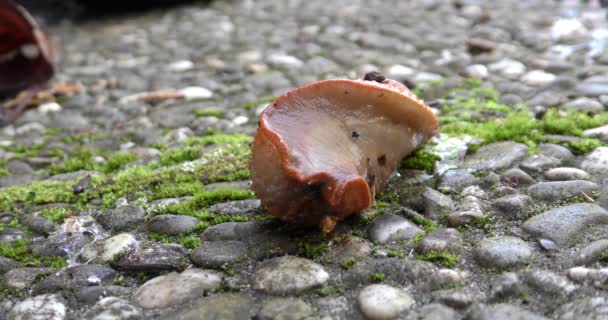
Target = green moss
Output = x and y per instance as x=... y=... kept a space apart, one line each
x=346 y=264
x=3 y=171
x=55 y=214
x=428 y=224
x=420 y=160
x=179 y=155
x=82 y=159
x=377 y=277
x=445 y=259
x=37 y=193
x=328 y=291
x=208 y=113
x=187 y=241
x=312 y=248
x=394 y=254
x=20 y=251
x=205 y=198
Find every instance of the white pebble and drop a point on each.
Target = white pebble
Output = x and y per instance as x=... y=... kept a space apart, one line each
x=181 y=66
x=379 y=301
x=240 y=120
x=50 y=107
x=538 y=78
x=196 y=93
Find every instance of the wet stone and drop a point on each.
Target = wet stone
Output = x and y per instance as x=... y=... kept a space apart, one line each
x=563 y=225
x=105 y=250
x=285 y=308
x=172 y=225
x=216 y=254
x=441 y=240
x=591 y=252
x=288 y=275
x=75 y=277
x=91 y=295
x=22 y=278
x=7 y=264
x=121 y=218
x=41 y=307
x=433 y=311
x=10 y=235
x=538 y=163
x=455 y=180
x=596 y=162
x=379 y=301
x=350 y=248
x=436 y=203
x=390 y=228
x=561 y=190
x=168 y=253
x=549 y=282
x=556 y=151
x=586 y=105
x=114 y=308
x=560 y=174
x=459 y=298
x=38 y=224
x=468 y=210
x=496 y=156
x=599 y=133
x=175 y=288
x=447 y=278
x=505 y=285
x=513 y=207
x=235 y=207
x=396 y=270
x=227 y=306
x=503 y=252
x=595 y=308
x=516 y=177
x=502 y=311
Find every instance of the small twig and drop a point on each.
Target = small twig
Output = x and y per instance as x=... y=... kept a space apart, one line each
x=587 y=197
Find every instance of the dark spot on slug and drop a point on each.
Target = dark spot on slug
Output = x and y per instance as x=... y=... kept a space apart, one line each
x=355 y=134
x=316 y=190
x=345 y=91
x=381 y=95
x=382 y=160
x=374 y=76
x=371 y=179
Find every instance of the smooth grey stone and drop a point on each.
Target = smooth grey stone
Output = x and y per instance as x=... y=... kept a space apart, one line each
x=10 y=235
x=23 y=278
x=216 y=254
x=17 y=167
x=538 y=163
x=441 y=240
x=390 y=228
x=224 y=306
x=121 y=218
x=235 y=207
x=598 y=133
x=91 y=295
x=351 y=248
x=502 y=311
x=458 y=298
x=516 y=177
x=288 y=275
x=38 y=224
x=496 y=156
x=114 y=308
x=565 y=224
x=583 y=104
x=40 y=307
x=453 y=181
x=468 y=210
x=381 y=301
x=433 y=311
x=564 y=173
x=549 y=282
x=591 y=252
x=513 y=207
x=175 y=288
x=172 y=225
x=106 y=250
x=285 y=308
x=436 y=203
x=243 y=184
x=561 y=190
x=507 y=284
x=75 y=277
x=556 y=151
x=588 y=308
x=596 y=162
x=7 y=264
x=404 y=272
x=164 y=253
x=503 y=252
x=547 y=244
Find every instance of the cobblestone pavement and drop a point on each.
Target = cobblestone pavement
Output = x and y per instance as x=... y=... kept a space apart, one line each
x=114 y=206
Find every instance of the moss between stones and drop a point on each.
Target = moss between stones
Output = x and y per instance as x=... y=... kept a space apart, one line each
x=445 y=259
x=377 y=277
x=491 y=121
x=20 y=251
x=208 y=113
x=253 y=104
x=55 y=214
x=187 y=241
x=423 y=160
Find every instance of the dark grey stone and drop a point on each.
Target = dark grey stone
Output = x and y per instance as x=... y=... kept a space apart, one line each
x=235 y=207
x=172 y=225
x=121 y=218
x=503 y=252
x=502 y=311
x=225 y=306
x=562 y=190
x=496 y=156
x=90 y=295
x=591 y=252
x=216 y=254
x=75 y=277
x=441 y=240
x=514 y=207
x=390 y=228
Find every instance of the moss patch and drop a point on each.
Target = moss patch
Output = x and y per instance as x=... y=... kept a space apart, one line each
x=20 y=251
x=445 y=259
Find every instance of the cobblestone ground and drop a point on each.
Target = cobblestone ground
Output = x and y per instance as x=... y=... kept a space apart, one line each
x=117 y=207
